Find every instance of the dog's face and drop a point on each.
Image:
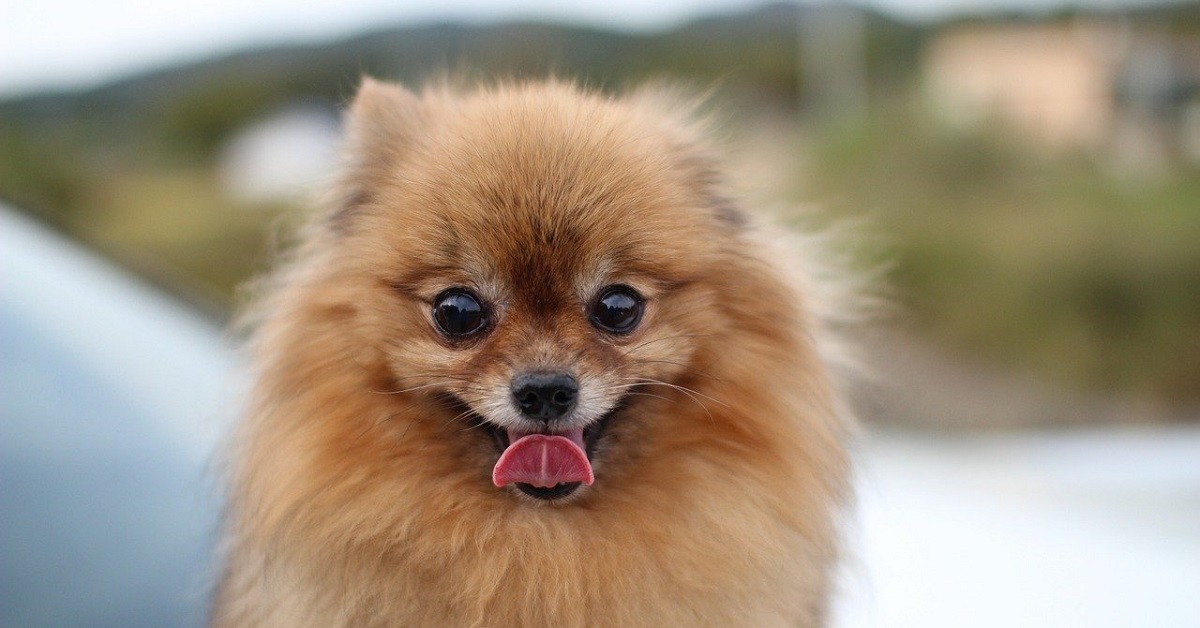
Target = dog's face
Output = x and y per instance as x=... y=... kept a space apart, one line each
x=540 y=276
x=533 y=371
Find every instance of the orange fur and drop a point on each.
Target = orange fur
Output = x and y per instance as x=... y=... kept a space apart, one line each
x=361 y=497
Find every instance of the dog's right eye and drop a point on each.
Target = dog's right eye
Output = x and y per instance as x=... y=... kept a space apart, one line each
x=458 y=313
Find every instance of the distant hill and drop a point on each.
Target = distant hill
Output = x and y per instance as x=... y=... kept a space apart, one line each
x=54 y=143
x=756 y=49
x=183 y=113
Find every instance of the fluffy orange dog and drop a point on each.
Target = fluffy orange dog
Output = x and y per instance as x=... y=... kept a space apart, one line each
x=534 y=370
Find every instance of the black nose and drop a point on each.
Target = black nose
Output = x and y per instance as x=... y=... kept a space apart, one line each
x=545 y=396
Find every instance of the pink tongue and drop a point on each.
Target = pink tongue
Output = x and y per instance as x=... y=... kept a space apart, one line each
x=543 y=460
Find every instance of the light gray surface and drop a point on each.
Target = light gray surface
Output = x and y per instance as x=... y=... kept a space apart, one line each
x=111 y=397
x=1075 y=528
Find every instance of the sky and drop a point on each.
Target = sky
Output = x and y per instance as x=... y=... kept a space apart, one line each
x=63 y=44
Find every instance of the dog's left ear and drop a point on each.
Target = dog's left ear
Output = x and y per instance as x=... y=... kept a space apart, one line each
x=691 y=147
x=382 y=118
x=707 y=179
x=381 y=124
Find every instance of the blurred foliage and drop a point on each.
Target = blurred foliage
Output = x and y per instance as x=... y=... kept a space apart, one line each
x=199 y=122
x=1047 y=262
x=34 y=173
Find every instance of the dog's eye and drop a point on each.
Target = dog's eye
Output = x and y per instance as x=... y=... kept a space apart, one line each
x=618 y=309
x=458 y=313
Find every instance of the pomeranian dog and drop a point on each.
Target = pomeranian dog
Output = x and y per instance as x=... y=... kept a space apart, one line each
x=532 y=367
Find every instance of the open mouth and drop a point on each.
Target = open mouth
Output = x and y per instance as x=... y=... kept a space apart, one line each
x=547 y=465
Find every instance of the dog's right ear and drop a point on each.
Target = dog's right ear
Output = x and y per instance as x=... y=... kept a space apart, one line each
x=380 y=127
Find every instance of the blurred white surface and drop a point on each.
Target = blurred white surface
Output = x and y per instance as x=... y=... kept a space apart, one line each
x=1095 y=528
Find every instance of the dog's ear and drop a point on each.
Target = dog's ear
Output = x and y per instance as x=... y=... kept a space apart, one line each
x=382 y=118
x=691 y=147
x=381 y=125
x=707 y=179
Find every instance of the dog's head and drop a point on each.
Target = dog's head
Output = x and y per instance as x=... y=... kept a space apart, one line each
x=547 y=267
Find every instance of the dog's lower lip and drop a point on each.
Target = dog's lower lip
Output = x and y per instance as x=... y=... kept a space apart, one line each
x=558 y=491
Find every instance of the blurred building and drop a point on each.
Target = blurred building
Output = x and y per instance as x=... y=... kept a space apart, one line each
x=282 y=157
x=1133 y=93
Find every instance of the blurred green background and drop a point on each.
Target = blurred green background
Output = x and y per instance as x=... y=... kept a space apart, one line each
x=1031 y=182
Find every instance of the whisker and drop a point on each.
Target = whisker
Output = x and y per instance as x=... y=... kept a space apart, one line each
x=454 y=419
x=683 y=389
x=481 y=423
x=470 y=385
x=437 y=375
x=664 y=338
x=692 y=394
x=620 y=386
x=405 y=390
x=687 y=367
x=377 y=424
x=646 y=394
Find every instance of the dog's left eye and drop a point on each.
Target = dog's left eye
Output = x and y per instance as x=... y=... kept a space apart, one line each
x=618 y=310
x=458 y=313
